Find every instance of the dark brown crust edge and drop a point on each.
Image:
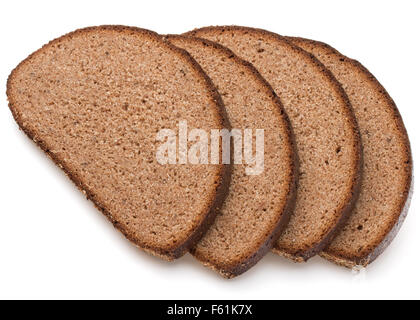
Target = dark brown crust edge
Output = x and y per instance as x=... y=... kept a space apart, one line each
x=265 y=246
x=351 y=262
x=348 y=205
x=225 y=170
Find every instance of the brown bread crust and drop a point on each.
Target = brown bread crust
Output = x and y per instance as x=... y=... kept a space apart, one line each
x=352 y=194
x=398 y=216
x=225 y=170
x=266 y=244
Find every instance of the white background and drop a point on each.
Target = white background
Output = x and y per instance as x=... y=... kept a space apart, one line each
x=55 y=244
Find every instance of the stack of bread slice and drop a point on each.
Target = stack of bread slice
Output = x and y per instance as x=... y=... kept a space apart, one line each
x=125 y=113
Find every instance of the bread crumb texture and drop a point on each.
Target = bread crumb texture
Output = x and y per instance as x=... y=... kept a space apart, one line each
x=257 y=206
x=94 y=100
x=326 y=133
x=387 y=170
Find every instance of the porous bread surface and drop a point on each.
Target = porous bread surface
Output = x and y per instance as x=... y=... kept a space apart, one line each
x=94 y=101
x=257 y=207
x=387 y=171
x=326 y=133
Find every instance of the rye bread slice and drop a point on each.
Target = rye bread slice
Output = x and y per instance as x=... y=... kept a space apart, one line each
x=387 y=172
x=257 y=207
x=94 y=101
x=326 y=133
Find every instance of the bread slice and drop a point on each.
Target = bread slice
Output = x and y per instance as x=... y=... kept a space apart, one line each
x=387 y=172
x=94 y=101
x=257 y=206
x=325 y=129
